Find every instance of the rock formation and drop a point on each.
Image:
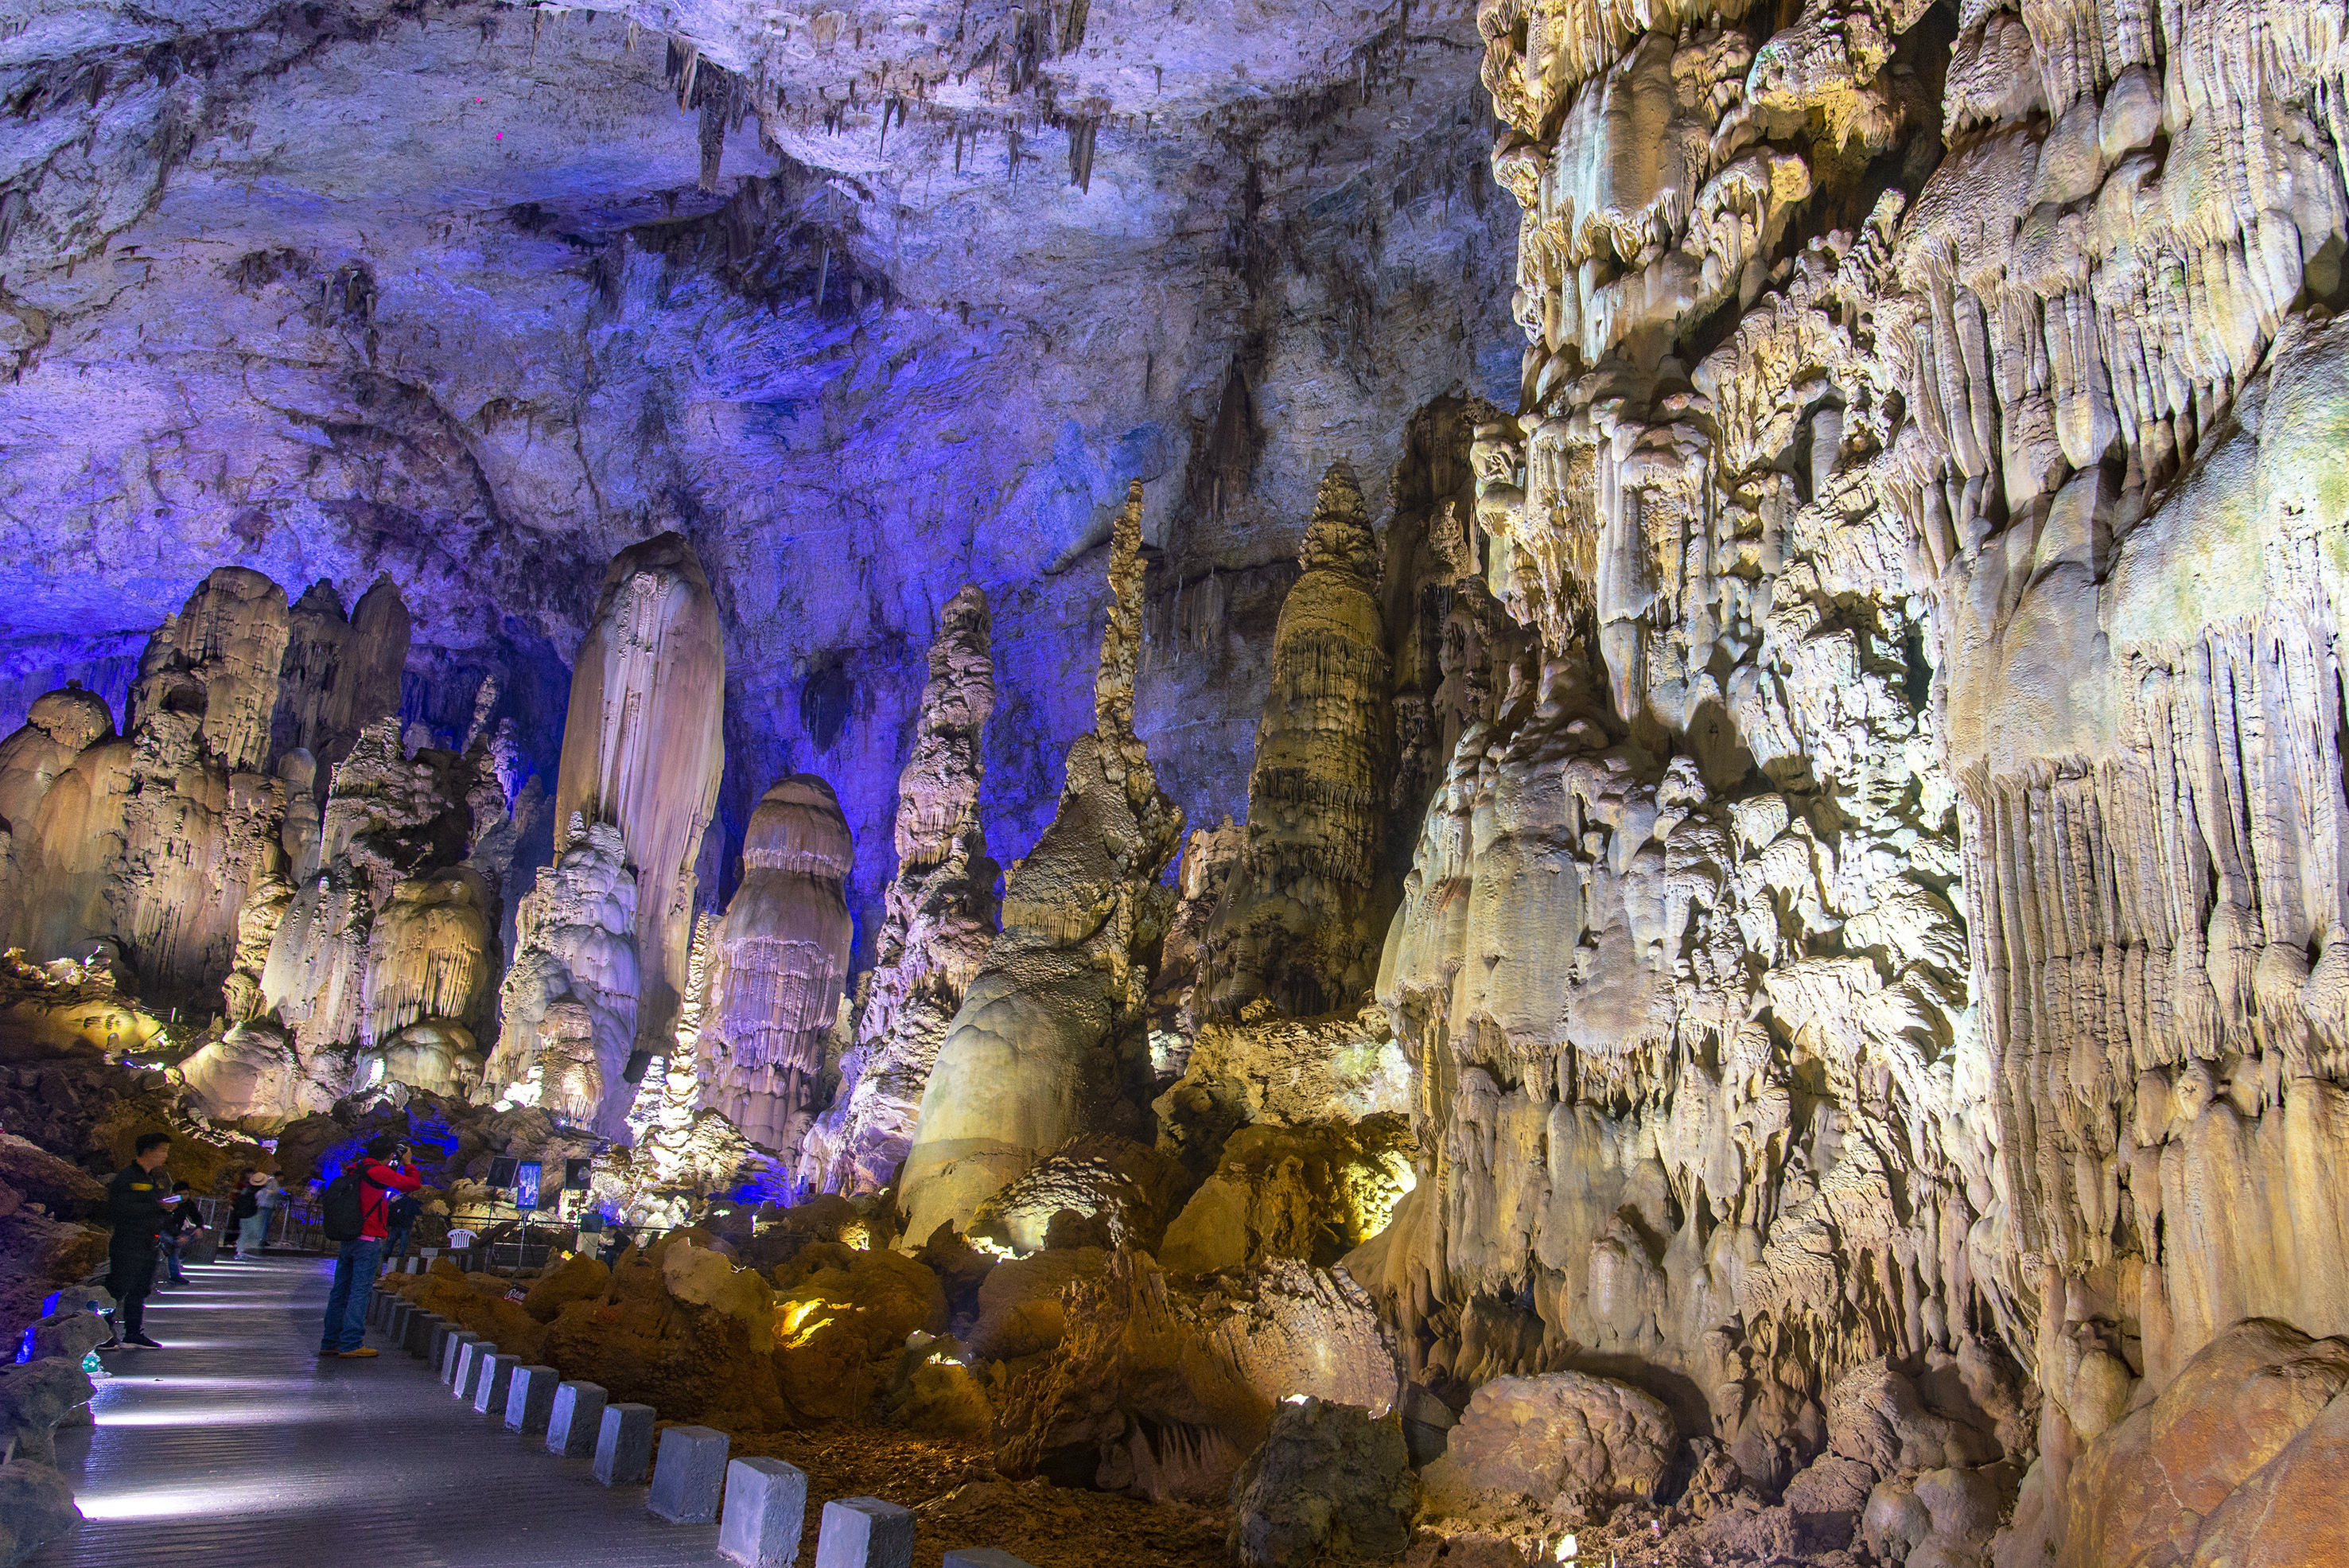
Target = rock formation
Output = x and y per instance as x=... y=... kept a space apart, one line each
x=1162 y=1392
x=174 y=843
x=60 y=726
x=680 y=1151
x=937 y=921
x=567 y=1009
x=1295 y=923
x=778 y=965
x=219 y=659
x=642 y=752
x=1919 y=634
x=390 y=930
x=1042 y=1048
x=338 y=675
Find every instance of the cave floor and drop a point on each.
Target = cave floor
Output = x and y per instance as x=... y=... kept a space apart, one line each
x=235 y=1444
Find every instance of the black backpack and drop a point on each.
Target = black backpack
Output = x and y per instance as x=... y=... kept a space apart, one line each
x=343 y=1214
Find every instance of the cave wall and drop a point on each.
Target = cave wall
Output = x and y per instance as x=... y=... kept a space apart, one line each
x=1923 y=484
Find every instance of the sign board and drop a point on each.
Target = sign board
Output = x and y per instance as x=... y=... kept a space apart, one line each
x=575 y=1173
x=526 y=1175
x=502 y=1172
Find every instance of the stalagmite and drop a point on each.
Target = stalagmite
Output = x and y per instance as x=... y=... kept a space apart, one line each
x=567 y=1009
x=778 y=964
x=1295 y=922
x=59 y=727
x=1048 y=1036
x=642 y=752
x=937 y=920
x=219 y=659
x=338 y=675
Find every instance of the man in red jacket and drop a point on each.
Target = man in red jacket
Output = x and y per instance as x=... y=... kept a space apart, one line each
x=384 y=1169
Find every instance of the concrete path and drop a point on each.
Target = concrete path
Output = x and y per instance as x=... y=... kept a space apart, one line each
x=235 y=1445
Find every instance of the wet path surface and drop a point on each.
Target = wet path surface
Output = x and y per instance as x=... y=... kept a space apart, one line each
x=235 y=1444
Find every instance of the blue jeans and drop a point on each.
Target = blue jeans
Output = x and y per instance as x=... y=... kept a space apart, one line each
x=249 y=1232
x=347 y=1304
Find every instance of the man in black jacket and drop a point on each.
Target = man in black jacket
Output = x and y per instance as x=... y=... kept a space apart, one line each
x=138 y=1201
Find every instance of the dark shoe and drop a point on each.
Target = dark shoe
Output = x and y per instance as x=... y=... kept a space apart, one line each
x=361 y=1353
x=142 y=1342
x=112 y=1344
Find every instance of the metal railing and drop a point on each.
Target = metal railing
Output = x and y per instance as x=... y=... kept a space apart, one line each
x=295 y=1225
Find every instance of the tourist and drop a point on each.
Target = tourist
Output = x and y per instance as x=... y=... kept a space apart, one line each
x=402 y=1216
x=138 y=1202
x=381 y=1172
x=248 y=1217
x=178 y=1226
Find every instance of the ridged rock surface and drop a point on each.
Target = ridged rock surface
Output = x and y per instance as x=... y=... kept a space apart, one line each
x=778 y=965
x=1295 y=923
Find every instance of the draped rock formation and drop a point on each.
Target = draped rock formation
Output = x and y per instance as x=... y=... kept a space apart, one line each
x=642 y=751
x=779 y=964
x=1677 y=966
x=1049 y=1037
x=1295 y=923
x=939 y=918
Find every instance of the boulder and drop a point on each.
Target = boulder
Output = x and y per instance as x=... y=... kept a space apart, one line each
x=1827 y=1499
x=1940 y=1519
x=67 y=1336
x=35 y=1396
x=934 y=1389
x=578 y=1278
x=1313 y=1193
x=1019 y=1306
x=698 y=1276
x=1160 y=1392
x=1876 y=1415
x=1561 y=1440
x=838 y=1312
x=2237 y=1461
x=36 y=1505
x=1330 y=1480
x=1098 y=1190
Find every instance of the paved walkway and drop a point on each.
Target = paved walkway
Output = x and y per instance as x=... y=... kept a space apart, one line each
x=235 y=1445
